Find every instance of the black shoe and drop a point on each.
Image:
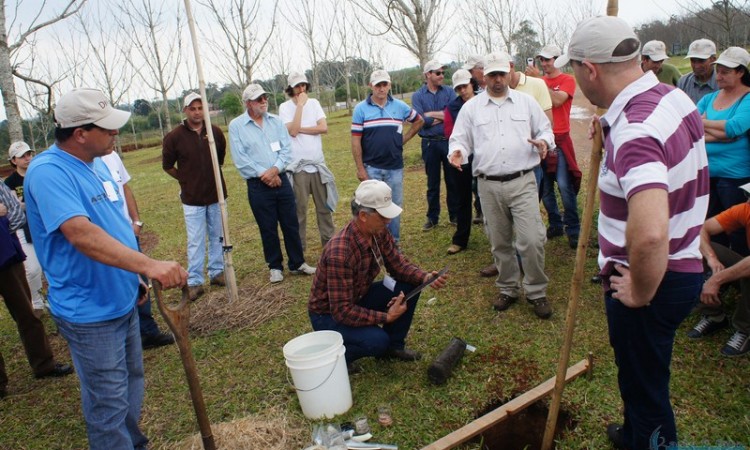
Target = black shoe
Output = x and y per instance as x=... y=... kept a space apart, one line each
x=156 y=340
x=553 y=232
x=596 y=279
x=707 y=327
x=542 y=309
x=60 y=370
x=614 y=433
x=573 y=242
x=429 y=225
x=478 y=219
x=404 y=354
x=503 y=302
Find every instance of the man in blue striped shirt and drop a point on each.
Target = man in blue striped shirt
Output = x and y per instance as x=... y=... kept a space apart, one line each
x=378 y=139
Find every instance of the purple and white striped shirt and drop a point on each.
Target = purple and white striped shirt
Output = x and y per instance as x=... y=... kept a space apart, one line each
x=653 y=138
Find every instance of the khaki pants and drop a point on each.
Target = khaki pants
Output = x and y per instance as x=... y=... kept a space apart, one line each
x=306 y=184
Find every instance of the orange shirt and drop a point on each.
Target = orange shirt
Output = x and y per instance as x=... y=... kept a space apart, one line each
x=734 y=218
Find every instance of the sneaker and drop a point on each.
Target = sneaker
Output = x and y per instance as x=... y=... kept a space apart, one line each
x=737 y=345
x=276 y=276
x=614 y=433
x=706 y=327
x=304 y=269
x=453 y=249
x=542 y=309
x=503 y=302
x=156 y=340
x=429 y=225
x=194 y=292
x=218 y=280
x=403 y=354
x=553 y=232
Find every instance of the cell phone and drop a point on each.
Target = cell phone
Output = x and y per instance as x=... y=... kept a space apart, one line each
x=529 y=62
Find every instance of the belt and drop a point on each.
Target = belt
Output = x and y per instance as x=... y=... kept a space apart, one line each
x=434 y=138
x=505 y=178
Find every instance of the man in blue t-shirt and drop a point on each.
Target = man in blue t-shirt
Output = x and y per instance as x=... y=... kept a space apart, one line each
x=90 y=258
x=378 y=139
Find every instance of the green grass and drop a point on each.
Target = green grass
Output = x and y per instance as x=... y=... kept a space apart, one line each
x=243 y=373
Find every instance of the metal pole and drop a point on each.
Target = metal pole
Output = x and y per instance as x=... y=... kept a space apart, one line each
x=229 y=276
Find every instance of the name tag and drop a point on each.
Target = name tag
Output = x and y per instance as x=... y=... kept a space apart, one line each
x=110 y=190
x=400 y=128
x=389 y=282
x=275 y=146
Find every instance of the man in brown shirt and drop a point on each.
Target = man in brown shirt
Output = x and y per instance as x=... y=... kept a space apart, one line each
x=187 y=147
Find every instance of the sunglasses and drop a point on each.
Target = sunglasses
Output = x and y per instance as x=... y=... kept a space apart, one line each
x=438 y=72
x=261 y=99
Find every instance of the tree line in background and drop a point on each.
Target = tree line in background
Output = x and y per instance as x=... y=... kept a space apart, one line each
x=135 y=50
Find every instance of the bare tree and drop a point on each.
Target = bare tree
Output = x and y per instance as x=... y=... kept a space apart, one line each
x=157 y=42
x=723 y=21
x=480 y=30
x=37 y=100
x=239 y=21
x=8 y=50
x=419 y=26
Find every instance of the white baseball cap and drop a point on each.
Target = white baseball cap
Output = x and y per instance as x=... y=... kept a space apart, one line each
x=461 y=77
x=746 y=188
x=376 y=194
x=379 y=76
x=701 y=49
x=733 y=57
x=190 y=98
x=296 y=78
x=18 y=148
x=655 y=50
x=597 y=39
x=252 y=92
x=497 y=62
x=84 y=106
x=431 y=65
x=549 y=52
x=474 y=61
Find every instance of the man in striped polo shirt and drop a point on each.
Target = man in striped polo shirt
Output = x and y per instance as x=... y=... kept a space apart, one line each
x=654 y=195
x=378 y=139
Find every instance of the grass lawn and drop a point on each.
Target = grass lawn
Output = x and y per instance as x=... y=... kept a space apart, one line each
x=243 y=372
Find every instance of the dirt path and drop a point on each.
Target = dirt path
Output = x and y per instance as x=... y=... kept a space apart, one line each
x=580 y=118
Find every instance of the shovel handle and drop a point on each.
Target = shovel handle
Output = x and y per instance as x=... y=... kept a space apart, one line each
x=178 y=319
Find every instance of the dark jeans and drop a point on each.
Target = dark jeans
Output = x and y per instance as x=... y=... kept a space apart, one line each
x=642 y=340
x=463 y=180
x=741 y=317
x=146 y=319
x=725 y=193
x=435 y=155
x=568 y=195
x=272 y=207
x=372 y=340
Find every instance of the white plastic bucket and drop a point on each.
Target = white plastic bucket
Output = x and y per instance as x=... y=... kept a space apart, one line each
x=316 y=361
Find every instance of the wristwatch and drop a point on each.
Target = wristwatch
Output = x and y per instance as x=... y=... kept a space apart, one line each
x=138 y=223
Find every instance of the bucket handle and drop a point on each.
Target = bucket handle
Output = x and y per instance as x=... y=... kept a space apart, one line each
x=316 y=387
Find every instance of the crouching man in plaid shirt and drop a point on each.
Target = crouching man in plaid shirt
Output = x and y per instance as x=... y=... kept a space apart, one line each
x=372 y=316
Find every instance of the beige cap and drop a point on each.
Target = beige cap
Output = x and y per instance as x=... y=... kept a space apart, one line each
x=655 y=50
x=596 y=40
x=550 y=51
x=84 y=106
x=461 y=77
x=377 y=195
x=190 y=98
x=734 y=57
x=474 y=61
x=497 y=62
x=18 y=148
x=701 y=49
x=296 y=78
x=746 y=188
x=252 y=92
x=431 y=65
x=379 y=76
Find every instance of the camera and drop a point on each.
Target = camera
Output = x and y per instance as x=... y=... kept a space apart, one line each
x=529 y=62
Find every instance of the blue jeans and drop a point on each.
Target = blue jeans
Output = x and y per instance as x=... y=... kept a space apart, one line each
x=395 y=179
x=435 y=156
x=197 y=220
x=109 y=362
x=642 y=340
x=568 y=195
x=725 y=193
x=372 y=340
x=148 y=325
x=272 y=207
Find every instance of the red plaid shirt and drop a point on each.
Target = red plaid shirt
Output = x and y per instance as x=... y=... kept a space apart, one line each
x=346 y=270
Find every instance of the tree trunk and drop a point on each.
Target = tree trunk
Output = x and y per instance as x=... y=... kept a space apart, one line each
x=8 y=87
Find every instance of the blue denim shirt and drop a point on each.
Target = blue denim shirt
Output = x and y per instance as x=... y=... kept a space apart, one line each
x=255 y=149
x=425 y=101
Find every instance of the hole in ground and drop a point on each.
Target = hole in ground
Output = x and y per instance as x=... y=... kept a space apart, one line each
x=523 y=430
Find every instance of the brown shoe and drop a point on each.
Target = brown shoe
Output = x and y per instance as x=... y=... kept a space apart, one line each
x=218 y=280
x=453 y=249
x=542 y=309
x=503 y=302
x=489 y=271
x=194 y=292
x=403 y=354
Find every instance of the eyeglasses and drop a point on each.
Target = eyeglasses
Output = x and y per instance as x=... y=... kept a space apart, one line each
x=438 y=72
